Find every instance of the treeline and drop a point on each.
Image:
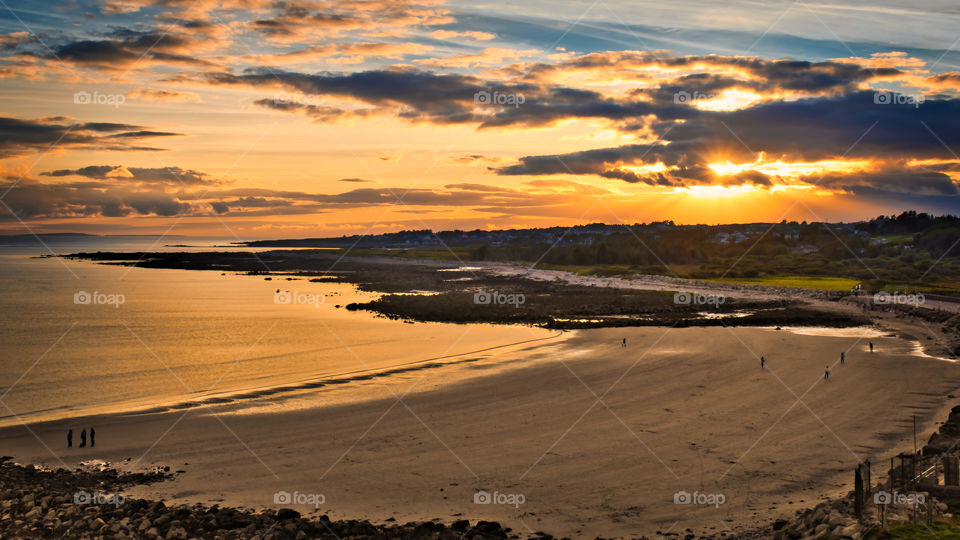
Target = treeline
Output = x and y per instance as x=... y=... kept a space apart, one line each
x=909 y=222
x=816 y=249
x=937 y=235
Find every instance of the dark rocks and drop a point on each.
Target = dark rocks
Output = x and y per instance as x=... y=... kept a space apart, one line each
x=287 y=513
x=945 y=439
x=42 y=504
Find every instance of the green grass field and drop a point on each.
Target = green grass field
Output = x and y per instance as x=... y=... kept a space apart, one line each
x=895 y=239
x=918 y=531
x=828 y=283
x=590 y=269
x=800 y=282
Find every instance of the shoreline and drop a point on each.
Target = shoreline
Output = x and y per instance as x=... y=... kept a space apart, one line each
x=241 y=397
x=235 y=400
x=430 y=291
x=937 y=328
x=347 y=451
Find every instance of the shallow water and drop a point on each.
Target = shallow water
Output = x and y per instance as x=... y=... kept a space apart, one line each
x=856 y=331
x=155 y=338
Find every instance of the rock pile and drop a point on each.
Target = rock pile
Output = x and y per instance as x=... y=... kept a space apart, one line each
x=90 y=505
x=835 y=520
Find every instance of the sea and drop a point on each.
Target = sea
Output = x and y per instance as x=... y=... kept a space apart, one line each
x=82 y=338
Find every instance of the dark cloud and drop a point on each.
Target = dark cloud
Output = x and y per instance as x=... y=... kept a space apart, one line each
x=424 y=95
x=606 y=162
x=10 y=42
x=32 y=200
x=418 y=95
x=893 y=180
x=125 y=47
x=753 y=72
x=255 y=202
x=950 y=77
x=291 y=20
x=18 y=136
x=143 y=134
x=162 y=175
x=319 y=113
x=107 y=198
x=92 y=171
x=809 y=130
x=472 y=158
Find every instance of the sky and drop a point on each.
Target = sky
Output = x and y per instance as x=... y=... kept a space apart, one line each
x=277 y=118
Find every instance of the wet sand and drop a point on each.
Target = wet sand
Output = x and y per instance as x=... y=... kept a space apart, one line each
x=596 y=438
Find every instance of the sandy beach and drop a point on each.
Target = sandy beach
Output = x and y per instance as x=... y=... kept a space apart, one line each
x=579 y=437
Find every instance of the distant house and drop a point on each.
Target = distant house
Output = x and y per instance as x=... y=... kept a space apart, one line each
x=730 y=238
x=804 y=250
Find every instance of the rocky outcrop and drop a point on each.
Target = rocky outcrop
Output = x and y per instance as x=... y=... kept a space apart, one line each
x=81 y=504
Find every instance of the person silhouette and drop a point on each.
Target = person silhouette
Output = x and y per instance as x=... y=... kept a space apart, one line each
x=92 y=435
x=763 y=363
x=69 y=438
x=624 y=342
x=83 y=438
x=826 y=374
x=871 y=346
x=843 y=356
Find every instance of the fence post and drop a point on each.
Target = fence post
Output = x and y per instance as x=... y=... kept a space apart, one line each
x=914 y=482
x=893 y=474
x=902 y=480
x=868 y=481
x=951 y=471
x=858 y=492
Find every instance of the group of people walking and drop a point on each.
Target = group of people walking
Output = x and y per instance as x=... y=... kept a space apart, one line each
x=843 y=360
x=826 y=371
x=83 y=438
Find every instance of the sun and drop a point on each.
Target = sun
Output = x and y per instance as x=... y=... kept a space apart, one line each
x=794 y=169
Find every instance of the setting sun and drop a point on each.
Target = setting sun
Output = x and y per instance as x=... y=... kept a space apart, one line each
x=790 y=170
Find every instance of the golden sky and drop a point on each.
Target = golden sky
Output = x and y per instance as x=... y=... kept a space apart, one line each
x=256 y=118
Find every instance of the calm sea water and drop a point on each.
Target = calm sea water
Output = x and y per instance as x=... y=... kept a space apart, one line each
x=184 y=335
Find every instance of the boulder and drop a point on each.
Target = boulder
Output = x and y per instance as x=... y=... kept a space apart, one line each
x=287 y=513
